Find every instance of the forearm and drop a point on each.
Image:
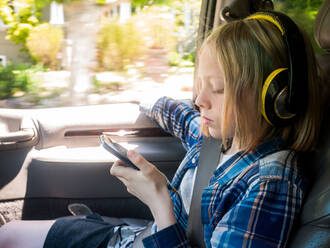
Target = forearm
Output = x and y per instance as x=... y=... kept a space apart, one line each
x=162 y=210
x=177 y=118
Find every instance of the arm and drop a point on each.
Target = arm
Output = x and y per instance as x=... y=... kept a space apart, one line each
x=177 y=118
x=149 y=184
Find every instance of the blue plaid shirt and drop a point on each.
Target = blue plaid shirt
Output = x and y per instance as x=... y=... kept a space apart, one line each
x=253 y=199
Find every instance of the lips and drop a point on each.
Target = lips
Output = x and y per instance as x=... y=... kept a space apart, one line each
x=206 y=120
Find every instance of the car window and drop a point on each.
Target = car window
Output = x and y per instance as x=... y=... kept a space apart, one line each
x=68 y=53
x=303 y=12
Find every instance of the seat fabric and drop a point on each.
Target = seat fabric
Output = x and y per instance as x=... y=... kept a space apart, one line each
x=314 y=227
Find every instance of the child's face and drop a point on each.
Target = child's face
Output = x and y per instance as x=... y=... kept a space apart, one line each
x=211 y=91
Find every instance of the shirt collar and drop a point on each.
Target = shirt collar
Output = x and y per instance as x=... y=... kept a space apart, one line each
x=239 y=161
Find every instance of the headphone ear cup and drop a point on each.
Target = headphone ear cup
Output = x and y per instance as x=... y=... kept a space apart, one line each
x=274 y=98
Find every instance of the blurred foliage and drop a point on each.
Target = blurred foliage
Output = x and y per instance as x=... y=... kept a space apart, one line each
x=186 y=60
x=157 y=25
x=301 y=4
x=303 y=12
x=160 y=35
x=118 y=44
x=101 y=87
x=190 y=57
x=142 y=3
x=19 y=78
x=186 y=25
x=174 y=59
x=44 y=43
x=21 y=16
x=136 y=3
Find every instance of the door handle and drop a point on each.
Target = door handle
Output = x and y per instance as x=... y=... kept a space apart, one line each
x=17 y=132
x=18 y=136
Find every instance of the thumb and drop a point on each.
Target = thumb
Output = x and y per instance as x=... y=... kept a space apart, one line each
x=137 y=159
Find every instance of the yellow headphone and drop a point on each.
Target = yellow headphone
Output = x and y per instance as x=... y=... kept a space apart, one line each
x=284 y=92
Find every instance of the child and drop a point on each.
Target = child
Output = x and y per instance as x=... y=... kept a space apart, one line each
x=256 y=192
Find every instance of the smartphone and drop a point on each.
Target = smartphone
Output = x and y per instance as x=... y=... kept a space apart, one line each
x=117 y=150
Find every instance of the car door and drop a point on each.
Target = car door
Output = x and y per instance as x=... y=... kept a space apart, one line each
x=52 y=157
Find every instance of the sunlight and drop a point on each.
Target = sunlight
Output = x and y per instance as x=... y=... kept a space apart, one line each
x=78 y=155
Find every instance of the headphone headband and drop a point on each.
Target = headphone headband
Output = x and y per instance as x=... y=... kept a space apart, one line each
x=267 y=18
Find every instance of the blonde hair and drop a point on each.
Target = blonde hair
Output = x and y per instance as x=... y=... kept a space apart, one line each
x=248 y=51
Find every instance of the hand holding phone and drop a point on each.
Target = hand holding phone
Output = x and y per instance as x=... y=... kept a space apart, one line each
x=121 y=153
x=117 y=150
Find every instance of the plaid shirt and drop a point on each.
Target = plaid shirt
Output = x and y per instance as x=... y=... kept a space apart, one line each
x=252 y=200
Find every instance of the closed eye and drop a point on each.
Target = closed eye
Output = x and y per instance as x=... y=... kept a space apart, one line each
x=218 y=91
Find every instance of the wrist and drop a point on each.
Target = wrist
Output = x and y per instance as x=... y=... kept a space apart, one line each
x=164 y=219
x=162 y=211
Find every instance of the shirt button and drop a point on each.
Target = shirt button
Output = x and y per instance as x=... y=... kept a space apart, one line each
x=193 y=160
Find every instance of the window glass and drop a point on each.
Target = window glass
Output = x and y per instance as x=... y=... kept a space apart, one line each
x=68 y=53
x=303 y=12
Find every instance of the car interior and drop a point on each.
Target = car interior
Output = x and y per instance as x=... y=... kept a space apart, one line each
x=52 y=157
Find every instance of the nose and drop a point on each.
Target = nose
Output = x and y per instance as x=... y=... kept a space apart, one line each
x=202 y=100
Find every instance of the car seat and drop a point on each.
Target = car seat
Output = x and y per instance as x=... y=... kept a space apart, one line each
x=313 y=229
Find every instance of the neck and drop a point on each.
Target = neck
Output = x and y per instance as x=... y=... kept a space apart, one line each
x=234 y=147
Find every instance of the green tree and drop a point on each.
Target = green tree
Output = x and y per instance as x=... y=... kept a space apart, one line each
x=21 y=16
x=44 y=43
x=303 y=12
x=302 y=4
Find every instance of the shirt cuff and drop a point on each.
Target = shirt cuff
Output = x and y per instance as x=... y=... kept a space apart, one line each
x=146 y=106
x=172 y=236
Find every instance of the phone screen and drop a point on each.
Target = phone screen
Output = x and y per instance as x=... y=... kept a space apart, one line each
x=117 y=150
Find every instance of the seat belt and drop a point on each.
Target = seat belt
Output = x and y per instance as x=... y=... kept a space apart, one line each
x=210 y=154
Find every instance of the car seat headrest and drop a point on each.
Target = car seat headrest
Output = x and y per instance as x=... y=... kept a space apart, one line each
x=322 y=26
